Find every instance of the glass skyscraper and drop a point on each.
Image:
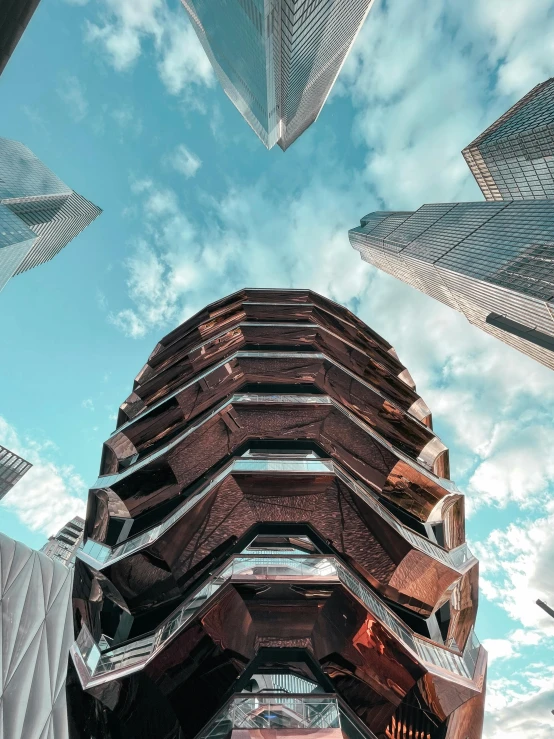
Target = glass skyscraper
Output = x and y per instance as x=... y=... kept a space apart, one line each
x=273 y=547
x=514 y=158
x=12 y=469
x=493 y=262
x=14 y=17
x=39 y=214
x=277 y=60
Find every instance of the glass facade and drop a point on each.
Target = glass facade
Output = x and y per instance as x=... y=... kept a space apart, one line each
x=14 y=17
x=277 y=60
x=39 y=214
x=492 y=261
x=514 y=158
x=12 y=469
x=260 y=712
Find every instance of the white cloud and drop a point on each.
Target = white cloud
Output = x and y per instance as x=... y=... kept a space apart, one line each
x=184 y=161
x=183 y=61
x=516 y=570
x=49 y=494
x=126 y=27
x=127 y=119
x=161 y=203
x=513 y=715
x=498 y=649
x=88 y=404
x=519 y=468
x=177 y=268
x=424 y=84
x=122 y=45
x=73 y=94
x=129 y=323
x=526 y=637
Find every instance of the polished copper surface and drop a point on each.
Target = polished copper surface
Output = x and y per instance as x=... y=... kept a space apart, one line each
x=275 y=408
x=287 y=734
x=386 y=559
x=311 y=369
x=228 y=427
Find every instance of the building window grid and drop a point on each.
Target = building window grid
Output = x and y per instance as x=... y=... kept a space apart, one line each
x=511 y=252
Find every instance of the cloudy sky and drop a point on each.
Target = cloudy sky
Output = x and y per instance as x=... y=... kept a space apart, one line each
x=118 y=98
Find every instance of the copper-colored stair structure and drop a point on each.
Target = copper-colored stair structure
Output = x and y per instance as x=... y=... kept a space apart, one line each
x=273 y=547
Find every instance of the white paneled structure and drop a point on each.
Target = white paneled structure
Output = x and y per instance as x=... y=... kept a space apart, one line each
x=35 y=634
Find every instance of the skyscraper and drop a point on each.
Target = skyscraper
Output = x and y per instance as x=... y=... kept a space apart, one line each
x=12 y=469
x=39 y=214
x=277 y=60
x=514 y=158
x=36 y=631
x=63 y=546
x=273 y=542
x=14 y=17
x=493 y=262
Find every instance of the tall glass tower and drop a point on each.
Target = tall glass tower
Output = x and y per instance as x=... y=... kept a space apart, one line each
x=493 y=262
x=514 y=158
x=12 y=469
x=277 y=60
x=39 y=214
x=273 y=547
x=14 y=18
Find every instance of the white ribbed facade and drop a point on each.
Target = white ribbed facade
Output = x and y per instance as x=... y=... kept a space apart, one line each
x=36 y=630
x=277 y=60
x=493 y=262
x=39 y=214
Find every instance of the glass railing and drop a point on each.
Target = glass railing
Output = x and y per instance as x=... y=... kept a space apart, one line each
x=291 y=712
x=100 y=555
x=104 y=555
x=462 y=554
x=87 y=649
x=376 y=606
x=251 y=568
x=312 y=568
x=301 y=399
x=283 y=682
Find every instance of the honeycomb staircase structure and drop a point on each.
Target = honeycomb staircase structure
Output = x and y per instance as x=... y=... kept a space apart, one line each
x=273 y=547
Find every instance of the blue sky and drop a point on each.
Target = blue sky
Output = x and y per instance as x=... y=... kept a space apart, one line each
x=119 y=100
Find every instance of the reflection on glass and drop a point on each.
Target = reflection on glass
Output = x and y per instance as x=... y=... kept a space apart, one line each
x=316 y=568
x=102 y=554
x=285 y=712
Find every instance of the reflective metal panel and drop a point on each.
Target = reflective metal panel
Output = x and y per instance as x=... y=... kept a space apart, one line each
x=275 y=488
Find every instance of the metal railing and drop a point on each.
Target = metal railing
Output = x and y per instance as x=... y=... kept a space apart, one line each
x=109 y=480
x=311 y=569
x=265 y=711
x=100 y=555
